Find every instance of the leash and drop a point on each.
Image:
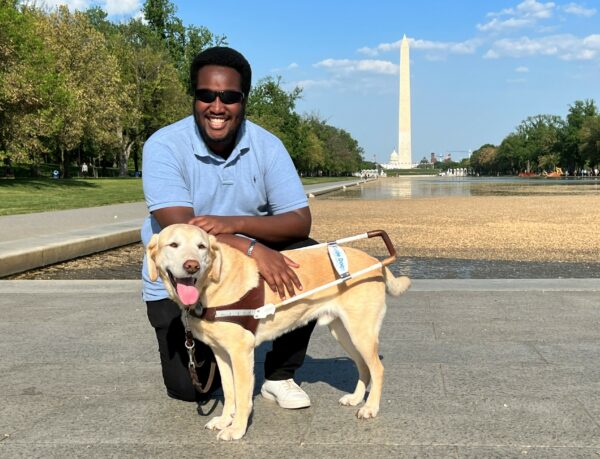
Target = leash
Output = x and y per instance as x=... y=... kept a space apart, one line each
x=190 y=345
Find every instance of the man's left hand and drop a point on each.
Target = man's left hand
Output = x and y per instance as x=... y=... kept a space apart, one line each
x=216 y=225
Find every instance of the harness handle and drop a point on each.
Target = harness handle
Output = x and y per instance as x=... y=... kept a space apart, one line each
x=388 y=245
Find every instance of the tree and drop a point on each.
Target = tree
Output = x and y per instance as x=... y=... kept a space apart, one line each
x=313 y=155
x=342 y=154
x=548 y=162
x=26 y=84
x=540 y=136
x=270 y=106
x=589 y=146
x=571 y=154
x=182 y=43
x=157 y=96
x=483 y=160
x=88 y=106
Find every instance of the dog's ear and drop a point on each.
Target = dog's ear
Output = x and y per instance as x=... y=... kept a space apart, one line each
x=215 y=255
x=151 y=250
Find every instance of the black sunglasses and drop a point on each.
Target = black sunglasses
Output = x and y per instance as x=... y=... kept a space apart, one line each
x=227 y=97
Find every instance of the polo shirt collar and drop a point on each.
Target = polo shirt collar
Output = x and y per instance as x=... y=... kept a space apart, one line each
x=242 y=144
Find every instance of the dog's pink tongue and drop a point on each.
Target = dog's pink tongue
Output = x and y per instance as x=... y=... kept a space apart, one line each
x=188 y=294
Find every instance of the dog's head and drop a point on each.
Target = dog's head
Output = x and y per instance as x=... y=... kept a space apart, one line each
x=186 y=258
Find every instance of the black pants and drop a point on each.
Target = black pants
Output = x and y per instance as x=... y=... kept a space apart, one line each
x=286 y=356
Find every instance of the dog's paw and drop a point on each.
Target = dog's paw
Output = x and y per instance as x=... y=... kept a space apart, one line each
x=350 y=400
x=231 y=433
x=219 y=423
x=367 y=412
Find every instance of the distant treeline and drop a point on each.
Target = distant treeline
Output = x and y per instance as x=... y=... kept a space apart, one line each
x=77 y=87
x=544 y=142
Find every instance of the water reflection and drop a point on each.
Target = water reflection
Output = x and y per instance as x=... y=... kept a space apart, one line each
x=422 y=187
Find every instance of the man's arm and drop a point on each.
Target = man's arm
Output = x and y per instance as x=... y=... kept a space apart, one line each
x=286 y=227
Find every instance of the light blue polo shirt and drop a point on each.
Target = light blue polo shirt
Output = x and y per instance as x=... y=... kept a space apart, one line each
x=258 y=178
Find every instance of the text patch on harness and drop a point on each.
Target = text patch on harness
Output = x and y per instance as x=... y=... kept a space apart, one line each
x=338 y=259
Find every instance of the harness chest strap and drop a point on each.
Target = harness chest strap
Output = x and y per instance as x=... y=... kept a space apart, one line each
x=246 y=311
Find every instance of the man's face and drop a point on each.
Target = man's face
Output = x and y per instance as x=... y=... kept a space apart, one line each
x=219 y=122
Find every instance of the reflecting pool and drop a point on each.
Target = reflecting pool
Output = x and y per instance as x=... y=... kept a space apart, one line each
x=434 y=186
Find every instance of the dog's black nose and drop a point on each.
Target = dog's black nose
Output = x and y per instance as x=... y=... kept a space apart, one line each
x=191 y=266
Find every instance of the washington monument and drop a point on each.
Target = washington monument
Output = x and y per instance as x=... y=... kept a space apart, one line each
x=404 y=142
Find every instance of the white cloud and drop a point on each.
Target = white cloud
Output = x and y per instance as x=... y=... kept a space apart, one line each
x=592 y=41
x=579 y=10
x=496 y=25
x=112 y=7
x=308 y=84
x=464 y=47
x=527 y=13
x=504 y=12
x=140 y=16
x=291 y=66
x=533 y=8
x=121 y=7
x=345 y=66
x=522 y=69
x=72 y=4
x=566 y=47
x=381 y=48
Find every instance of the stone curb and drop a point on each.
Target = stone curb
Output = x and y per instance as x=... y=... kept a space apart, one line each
x=25 y=254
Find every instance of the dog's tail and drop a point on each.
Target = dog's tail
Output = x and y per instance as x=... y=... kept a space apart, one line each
x=395 y=285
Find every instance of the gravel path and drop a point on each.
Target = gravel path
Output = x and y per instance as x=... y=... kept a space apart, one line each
x=522 y=228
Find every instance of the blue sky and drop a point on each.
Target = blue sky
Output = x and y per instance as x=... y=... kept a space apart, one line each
x=478 y=68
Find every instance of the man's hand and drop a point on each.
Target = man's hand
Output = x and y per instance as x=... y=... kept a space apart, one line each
x=216 y=225
x=277 y=270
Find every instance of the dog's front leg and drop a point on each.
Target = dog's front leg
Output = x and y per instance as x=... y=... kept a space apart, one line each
x=242 y=364
x=226 y=417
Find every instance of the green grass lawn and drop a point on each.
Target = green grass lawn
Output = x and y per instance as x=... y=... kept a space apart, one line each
x=315 y=180
x=23 y=196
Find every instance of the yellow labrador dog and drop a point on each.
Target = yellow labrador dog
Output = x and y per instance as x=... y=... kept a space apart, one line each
x=195 y=267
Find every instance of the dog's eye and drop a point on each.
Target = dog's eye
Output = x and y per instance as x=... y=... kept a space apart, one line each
x=174 y=245
x=201 y=246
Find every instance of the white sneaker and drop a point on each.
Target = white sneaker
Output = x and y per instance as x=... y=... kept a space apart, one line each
x=286 y=393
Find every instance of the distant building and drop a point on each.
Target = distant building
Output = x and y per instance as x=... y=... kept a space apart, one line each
x=394 y=162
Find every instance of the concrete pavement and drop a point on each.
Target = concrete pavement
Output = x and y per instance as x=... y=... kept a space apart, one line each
x=474 y=369
x=33 y=240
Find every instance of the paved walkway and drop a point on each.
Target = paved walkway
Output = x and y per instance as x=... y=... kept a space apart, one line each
x=33 y=240
x=474 y=369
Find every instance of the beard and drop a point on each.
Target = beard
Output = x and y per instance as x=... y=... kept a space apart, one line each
x=226 y=142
